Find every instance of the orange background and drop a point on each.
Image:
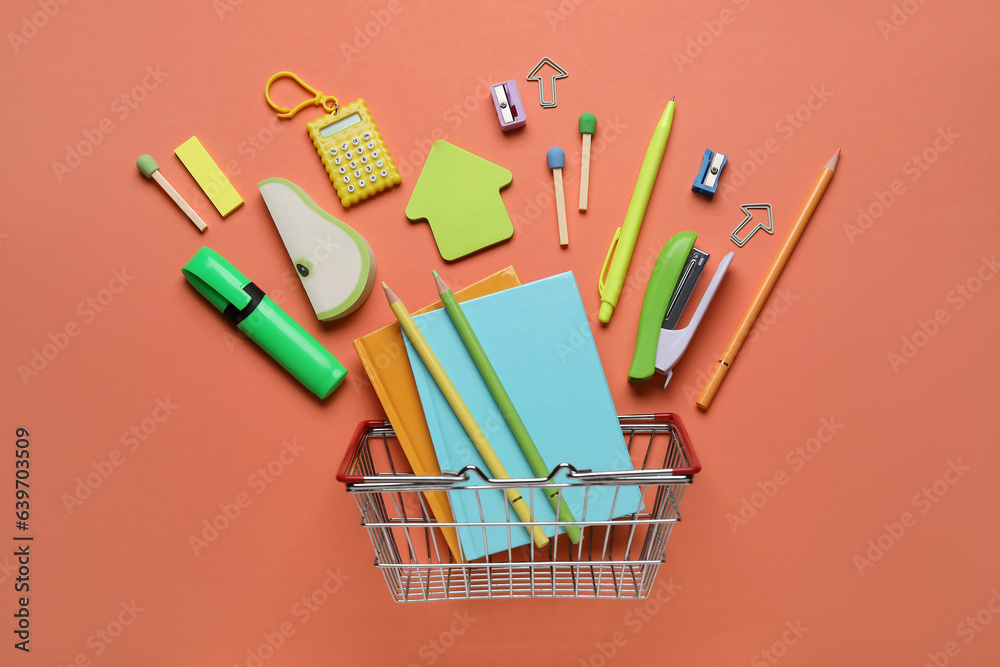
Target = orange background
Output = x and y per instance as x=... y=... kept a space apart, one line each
x=893 y=84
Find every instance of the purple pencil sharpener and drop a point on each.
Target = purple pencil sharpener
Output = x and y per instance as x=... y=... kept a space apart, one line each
x=507 y=101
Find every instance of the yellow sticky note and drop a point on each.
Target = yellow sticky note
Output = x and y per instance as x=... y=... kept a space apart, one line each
x=209 y=177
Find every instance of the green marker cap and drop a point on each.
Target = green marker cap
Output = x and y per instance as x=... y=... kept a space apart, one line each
x=217 y=280
x=588 y=123
x=147 y=165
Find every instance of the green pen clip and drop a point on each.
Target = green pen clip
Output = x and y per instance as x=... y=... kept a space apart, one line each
x=264 y=322
x=662 y=283
x=603 y=277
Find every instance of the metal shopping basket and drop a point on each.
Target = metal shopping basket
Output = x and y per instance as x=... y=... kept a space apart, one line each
x=617 y=558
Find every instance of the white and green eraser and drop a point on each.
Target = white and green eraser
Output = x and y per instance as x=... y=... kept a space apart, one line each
x=335 y=263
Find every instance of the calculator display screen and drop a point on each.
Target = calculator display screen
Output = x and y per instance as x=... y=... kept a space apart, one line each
x=341 y=124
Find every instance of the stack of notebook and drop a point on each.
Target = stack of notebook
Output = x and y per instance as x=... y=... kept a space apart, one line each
x=539 y=341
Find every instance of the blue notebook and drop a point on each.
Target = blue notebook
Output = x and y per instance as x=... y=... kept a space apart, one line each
x=539 y=341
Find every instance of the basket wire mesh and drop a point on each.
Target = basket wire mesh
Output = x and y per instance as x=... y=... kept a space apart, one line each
x=617 y=558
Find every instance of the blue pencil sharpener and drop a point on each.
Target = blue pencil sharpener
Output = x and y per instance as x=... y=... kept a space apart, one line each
x=707 y=180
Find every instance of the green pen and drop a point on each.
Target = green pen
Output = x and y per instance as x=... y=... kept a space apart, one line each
x=503 y=401
x=264 y=322
x=620 y=254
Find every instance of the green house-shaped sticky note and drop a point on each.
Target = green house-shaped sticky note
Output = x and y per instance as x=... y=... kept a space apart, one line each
x=458 y=193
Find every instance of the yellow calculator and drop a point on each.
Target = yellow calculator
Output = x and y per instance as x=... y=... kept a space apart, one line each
x=353 y=153
x=348 y=143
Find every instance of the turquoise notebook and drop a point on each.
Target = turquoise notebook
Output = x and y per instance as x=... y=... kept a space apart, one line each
x=539 y=341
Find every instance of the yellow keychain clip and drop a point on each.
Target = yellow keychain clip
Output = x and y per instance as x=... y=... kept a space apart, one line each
x=318 y=97
x=348 y=143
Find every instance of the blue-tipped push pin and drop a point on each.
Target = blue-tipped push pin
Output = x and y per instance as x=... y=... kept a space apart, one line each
x=557 y=160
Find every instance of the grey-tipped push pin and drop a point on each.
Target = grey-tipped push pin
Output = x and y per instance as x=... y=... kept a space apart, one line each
x=147 y=165
x=588 y=125
x=557 y=160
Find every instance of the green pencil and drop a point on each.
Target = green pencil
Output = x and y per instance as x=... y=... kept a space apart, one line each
x=503 y=401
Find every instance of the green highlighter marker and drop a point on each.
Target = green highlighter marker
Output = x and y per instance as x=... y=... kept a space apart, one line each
x=504 y=403
x=256 y=315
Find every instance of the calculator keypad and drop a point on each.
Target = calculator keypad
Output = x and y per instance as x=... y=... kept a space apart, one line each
x=357 y=179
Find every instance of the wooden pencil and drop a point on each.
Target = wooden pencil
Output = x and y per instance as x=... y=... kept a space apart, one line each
x=503 y=401
x=771 y=277
x=496 y=468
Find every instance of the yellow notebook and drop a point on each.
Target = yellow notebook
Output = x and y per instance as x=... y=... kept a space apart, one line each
x=383 y=355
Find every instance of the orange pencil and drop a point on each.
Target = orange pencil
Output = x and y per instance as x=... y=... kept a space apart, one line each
x=771 y=277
